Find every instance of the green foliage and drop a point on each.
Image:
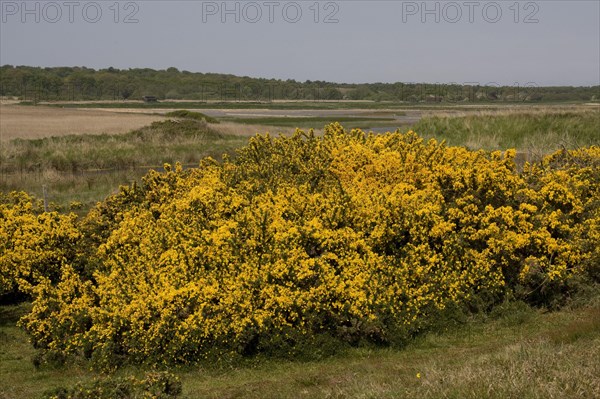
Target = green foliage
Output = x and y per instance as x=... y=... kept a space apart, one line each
x=156 y=385
x=80 y=83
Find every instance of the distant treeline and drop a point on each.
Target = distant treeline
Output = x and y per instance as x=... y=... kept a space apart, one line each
x=80 y=83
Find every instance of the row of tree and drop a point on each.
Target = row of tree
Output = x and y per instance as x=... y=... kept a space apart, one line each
x=81 y=83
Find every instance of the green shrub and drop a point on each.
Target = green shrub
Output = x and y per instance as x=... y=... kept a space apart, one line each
x=185 y=114
x=155 y=385
x=306 y=240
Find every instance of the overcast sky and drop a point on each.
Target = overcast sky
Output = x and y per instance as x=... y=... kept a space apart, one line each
x=504 y=42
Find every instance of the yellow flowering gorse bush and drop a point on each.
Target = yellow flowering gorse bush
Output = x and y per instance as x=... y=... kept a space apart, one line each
x=34 y=245
x=352 y=236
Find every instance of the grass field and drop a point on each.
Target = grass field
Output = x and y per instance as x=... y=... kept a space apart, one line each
x=37 y=122
x=514 y=352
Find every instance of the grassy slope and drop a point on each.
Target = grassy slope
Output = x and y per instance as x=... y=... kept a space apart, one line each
x=516 y=353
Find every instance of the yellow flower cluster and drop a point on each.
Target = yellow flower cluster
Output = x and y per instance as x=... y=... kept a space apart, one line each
x=34 y=245
x=349 y=235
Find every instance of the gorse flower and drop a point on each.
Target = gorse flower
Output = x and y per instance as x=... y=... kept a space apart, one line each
x=349 y=235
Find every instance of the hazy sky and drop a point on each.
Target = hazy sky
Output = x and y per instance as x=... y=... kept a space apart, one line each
x=505 y=42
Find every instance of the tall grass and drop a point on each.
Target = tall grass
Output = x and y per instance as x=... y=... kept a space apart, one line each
x=535 y=133
x=169 y=141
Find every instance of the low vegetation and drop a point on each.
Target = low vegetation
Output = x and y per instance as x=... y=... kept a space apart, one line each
x=184 y=114
x=536 y=133
x=153 y=385
x=29 y=123
x=183 y=140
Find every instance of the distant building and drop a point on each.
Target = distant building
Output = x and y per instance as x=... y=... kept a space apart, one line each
x=150 y=99
x=433 y=99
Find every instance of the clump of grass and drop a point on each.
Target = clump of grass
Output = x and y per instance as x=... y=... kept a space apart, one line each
x=185 y=114
x=512 y=313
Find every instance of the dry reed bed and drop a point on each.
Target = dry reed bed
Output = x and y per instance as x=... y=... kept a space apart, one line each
x=29 y=122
